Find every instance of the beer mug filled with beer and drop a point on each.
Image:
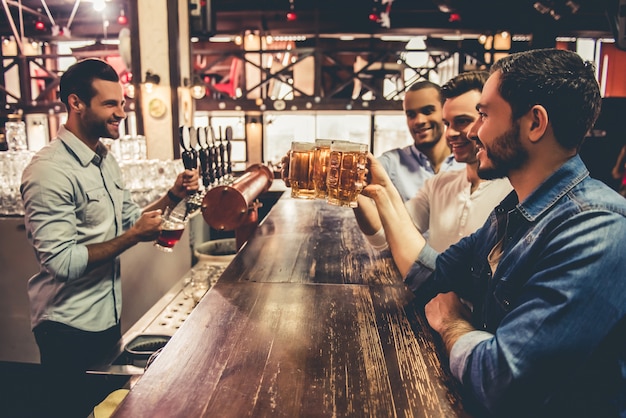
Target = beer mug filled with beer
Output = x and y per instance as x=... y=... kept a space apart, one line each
x=320 y=166
x=301 y=170
x=173 y=223
x=346 y=173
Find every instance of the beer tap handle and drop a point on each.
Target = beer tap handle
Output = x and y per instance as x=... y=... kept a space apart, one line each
x=193 y=145
x=202 y=137
x=183 y=136
x=229 y=148
x=223 y=153
x=218 y=157
x=212 y=156
x=189 y=155
x=204 y=155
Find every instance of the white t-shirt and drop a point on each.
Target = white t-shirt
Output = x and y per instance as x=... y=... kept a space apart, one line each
x=445 y=211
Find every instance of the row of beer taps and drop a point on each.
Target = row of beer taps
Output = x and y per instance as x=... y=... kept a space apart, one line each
x=201 y=147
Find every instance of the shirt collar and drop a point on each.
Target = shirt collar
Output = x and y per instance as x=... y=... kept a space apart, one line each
x=423 y=159
x=80 y=150
x=554 y=188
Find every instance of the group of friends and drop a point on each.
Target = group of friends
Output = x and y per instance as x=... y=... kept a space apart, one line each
x=490 y=216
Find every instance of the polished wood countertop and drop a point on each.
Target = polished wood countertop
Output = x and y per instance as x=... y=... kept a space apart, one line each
x=308 y=321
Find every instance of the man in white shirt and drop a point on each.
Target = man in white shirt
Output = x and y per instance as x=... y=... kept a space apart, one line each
x=452 y=204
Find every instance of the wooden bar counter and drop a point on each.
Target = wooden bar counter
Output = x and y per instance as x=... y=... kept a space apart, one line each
x=306 y=321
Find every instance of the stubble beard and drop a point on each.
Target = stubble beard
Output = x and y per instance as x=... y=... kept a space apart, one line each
x=428 y=145
x=505 y=155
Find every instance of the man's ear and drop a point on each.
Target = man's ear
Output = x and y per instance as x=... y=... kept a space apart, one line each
x=75 y=103
x=538 y=122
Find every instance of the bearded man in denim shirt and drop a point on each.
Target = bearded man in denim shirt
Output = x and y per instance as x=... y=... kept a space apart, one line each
x=545 y=276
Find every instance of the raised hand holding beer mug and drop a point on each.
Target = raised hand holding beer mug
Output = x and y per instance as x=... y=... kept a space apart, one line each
x=173 y=224
x=346 y=173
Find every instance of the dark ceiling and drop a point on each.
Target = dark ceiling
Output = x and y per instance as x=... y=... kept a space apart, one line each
x=589 y=18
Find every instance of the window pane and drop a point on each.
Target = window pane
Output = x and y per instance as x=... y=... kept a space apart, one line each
x=281 y=129
x=235 y=122
x=350 y=127
x=238 y=150
x=390 y=132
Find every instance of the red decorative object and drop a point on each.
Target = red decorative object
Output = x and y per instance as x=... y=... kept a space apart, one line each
x=291 y=16
x=454 y=17
x=231 y=83
x=122 y=19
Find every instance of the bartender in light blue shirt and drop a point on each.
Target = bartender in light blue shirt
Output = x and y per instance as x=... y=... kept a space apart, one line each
x=410 y=166
x=79 y=218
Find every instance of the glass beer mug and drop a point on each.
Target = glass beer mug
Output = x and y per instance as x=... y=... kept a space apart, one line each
x=346 y=173
x=173 y=222
x=301 y=170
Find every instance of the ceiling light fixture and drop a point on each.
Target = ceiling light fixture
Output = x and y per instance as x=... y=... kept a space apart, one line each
x=122 y=19
x=291 y=14
x=454 y=18
x=99 y=5
x=39 y=25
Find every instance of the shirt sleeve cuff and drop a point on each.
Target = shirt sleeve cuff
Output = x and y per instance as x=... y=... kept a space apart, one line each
x=462 y=349
x=378 y=241
x=422 y=268
x=81 y=255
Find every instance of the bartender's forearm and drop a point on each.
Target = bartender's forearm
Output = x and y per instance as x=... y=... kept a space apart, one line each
x=106 y=251
x=146 y=228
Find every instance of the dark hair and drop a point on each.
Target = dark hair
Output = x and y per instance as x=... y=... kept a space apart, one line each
x=425 y=84
x=78 y=79
x=560 y=81
x=464 y=82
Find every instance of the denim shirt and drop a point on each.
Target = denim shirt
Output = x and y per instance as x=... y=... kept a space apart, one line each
x=551 y=327
x=408 y=168
x=74 y=197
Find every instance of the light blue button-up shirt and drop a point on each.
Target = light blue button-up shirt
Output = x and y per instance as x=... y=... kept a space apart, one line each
x=408 y=168
x=551 y=318
x=74 y=197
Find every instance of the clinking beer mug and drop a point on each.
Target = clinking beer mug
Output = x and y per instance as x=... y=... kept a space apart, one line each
x=173 y=222
x=301 y=170
x=346 y=173
x=320 y=166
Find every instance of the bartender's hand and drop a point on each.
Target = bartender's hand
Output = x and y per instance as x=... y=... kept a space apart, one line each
x=186 y=182
x=447 y=315
x=284 y=169
x=148 y=226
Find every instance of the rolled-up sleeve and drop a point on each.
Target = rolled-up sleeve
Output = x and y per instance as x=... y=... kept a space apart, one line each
x=462 y=349
x=51 y=222
x=422 y=268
